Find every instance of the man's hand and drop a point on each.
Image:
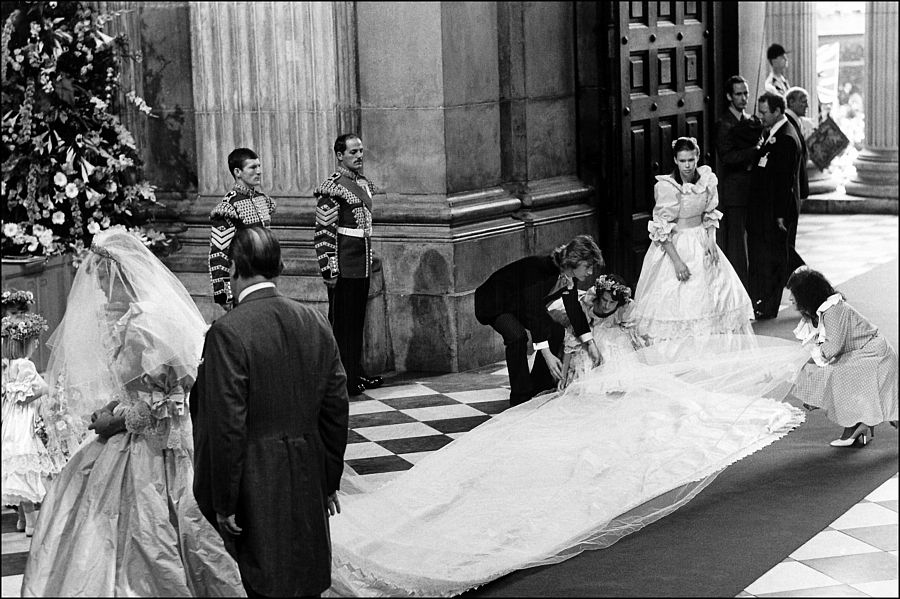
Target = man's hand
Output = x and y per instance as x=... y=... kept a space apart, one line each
x=594 y=353
x=780 y=222
x=229 y=524
x=553 y=363
x=334 y=504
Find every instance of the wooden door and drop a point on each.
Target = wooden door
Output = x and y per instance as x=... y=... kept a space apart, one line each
x=666 y=81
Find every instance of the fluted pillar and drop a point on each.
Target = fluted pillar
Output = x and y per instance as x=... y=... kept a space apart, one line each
x=266 y=76
x=876 y=166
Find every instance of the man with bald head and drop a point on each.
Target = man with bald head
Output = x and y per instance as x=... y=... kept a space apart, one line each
x=269 y=411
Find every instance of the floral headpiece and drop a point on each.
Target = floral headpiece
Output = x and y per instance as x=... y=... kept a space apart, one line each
x=604 y=283
x=23 y=326
x=15 y=297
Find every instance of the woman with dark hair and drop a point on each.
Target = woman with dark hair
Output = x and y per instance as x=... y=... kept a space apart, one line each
x=609 y=307
x=853 y=375
x=687 y=287
x=514 y=300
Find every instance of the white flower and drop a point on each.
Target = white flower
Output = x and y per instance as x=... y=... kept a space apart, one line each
x=58 y=218
x=46 y=238
x=72 y=190
x=111 y=187
x=93 y=197
x=105 y=222
x=10 y=229
x=60 y=179
x=93 y=227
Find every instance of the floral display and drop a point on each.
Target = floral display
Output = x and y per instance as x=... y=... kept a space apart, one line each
x=23 y=326
x=16 y=297
x=70 y=168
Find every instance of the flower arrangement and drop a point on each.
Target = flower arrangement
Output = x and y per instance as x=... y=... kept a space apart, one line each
x=16 y=298
x=70 y=168
x=23 y=326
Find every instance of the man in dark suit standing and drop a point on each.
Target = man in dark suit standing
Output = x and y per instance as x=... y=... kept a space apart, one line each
x=797 y=101
x=775 y=208
x=270 y=410
x=738 y=137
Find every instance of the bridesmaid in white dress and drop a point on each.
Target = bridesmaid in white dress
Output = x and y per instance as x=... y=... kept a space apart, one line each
x=687 y=287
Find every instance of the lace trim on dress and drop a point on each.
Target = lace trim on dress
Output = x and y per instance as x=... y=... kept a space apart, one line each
x=732 y=321
x=27 y=463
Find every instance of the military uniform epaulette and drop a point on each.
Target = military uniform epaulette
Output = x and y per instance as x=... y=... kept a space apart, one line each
x=239 y=207
x=343 y=227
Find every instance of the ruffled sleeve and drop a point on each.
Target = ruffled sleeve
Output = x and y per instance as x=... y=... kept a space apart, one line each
x=711 y=216
x=25 y=382
x=665 y=210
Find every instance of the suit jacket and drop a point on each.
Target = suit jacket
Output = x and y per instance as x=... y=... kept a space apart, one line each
x=522 y=288
x=775 y=182
x=270 y=415
x=802 y=175
x=736 y=151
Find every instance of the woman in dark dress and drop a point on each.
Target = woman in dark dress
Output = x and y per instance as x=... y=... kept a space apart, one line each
x=514 y=300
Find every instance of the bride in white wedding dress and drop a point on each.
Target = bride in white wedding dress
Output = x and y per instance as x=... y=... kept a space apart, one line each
x=546 y=480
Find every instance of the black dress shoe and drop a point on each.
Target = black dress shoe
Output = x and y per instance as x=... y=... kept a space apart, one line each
x=370 y=382
x=355 y=388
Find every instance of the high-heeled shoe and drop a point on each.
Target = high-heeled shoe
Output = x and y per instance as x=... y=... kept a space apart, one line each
x=29 y=531
x=856 y=437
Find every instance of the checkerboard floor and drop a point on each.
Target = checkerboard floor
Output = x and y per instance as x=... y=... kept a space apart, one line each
x=394 y=427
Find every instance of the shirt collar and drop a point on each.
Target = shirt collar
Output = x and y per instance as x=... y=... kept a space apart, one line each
x=737 y=114
x=244 y=189
x=831 y=301
x=777 y=125
x=792 y=113
x=254 y=287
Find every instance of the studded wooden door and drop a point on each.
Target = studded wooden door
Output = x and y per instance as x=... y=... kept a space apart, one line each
x=667 y=79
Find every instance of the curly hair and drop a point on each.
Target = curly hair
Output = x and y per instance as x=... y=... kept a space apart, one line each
x=810 y=288
x=580 y=249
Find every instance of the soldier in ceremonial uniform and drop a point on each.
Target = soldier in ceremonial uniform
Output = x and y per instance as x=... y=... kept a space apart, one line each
x=344 y=250
x=243 y=206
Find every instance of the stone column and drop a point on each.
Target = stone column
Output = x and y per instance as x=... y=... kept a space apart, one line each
x=428 y=85
x=876 y=166
x=537 y=120
x=793 y=25
x=458 y=155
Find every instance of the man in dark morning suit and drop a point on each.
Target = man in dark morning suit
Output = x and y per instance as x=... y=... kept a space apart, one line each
x=797 y=102
x=270 y=414
x=775 y=207
x=515 y=298
x=344 y=250
x=738 y=137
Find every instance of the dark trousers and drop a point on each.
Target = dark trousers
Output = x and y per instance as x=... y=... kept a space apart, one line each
x=794 y=259
x=347 y=315
x=522 y=384
x=768 y=269
x=732 y=238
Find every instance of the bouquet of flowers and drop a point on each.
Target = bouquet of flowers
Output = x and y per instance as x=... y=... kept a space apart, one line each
x=70 y=168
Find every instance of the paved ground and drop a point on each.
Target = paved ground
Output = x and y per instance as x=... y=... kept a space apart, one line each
x=394 y=427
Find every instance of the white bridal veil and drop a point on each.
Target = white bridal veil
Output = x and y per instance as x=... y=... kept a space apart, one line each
x=92 y=360
x=561 y=474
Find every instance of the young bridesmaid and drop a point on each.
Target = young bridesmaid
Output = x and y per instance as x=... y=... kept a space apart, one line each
x=608 y=306
x=25 y=459
x=853 y=375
